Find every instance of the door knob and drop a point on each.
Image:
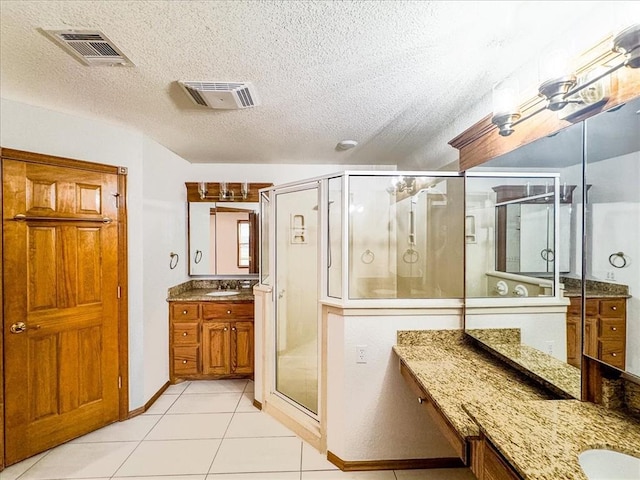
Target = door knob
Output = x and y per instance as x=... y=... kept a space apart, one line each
x=18 y=327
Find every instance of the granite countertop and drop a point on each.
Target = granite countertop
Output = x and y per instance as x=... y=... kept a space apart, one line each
x=196 y=291
x=594 y=289
x=558 y=376
x=538 y=434
x=545 y=440
x=454 y=373
x=594 y=294
x=200 y=295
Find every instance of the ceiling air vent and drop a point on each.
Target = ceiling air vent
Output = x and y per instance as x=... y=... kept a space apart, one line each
x=91 y=47
x=225 y=95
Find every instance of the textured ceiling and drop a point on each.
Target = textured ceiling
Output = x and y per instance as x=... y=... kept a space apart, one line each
x=388 y=74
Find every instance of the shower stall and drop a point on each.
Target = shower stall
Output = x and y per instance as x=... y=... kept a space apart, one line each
x=374 y=240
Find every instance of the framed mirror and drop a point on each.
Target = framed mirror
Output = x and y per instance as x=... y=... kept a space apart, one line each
x=223 y=238
x=612 y=238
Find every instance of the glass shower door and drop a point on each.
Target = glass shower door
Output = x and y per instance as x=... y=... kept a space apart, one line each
x=296 y=326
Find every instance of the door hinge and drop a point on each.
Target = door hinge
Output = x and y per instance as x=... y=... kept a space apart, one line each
x=119 y=292
x=119 y=381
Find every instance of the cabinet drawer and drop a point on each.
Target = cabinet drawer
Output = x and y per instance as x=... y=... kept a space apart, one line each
x=591 y=307
x=612 y=328
x=227 y=310
x=184 y=311
x=611 y=352
x=613 y=307
x=185 y=333
x=185 y=360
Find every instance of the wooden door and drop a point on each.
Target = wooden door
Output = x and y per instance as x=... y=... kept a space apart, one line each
x=60 y=274
x=216 y=348
x=242 y=347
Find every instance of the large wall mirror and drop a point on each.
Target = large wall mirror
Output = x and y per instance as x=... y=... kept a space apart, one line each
x=515 y=309
x=612 y=240
x=223 y=238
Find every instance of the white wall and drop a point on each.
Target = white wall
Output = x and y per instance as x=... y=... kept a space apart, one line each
x=164 y=231
x=371 y=412
x=156 y=219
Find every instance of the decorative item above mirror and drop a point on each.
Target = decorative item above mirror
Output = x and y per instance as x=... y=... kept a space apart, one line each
x=223 y=234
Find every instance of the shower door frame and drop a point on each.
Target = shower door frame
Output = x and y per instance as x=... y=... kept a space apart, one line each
x=316 y=184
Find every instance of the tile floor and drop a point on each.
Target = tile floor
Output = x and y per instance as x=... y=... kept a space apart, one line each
x=205 y=430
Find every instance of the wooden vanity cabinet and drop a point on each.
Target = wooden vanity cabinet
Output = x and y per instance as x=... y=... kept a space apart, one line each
x=210 y=340
x=491 y=465
x=604 y=329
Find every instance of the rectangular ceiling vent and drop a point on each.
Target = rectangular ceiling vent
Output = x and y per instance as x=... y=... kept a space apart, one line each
x=91 y=47
x=224 y=95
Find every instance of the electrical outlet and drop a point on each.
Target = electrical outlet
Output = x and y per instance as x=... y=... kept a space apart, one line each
x=550 y=344
x=361 y=354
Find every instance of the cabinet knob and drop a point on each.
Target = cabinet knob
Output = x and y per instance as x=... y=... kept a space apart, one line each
x=614 y=308
x=614 y=354
x=233 y=328
x=225 y=329
x=184 y=312
x=184 y=361
x=229 y=311
x=184 y=334
x=421 y=400
x=614 y=328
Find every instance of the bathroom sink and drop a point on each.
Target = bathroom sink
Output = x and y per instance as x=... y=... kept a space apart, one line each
x=601 y=464
x=223 y=293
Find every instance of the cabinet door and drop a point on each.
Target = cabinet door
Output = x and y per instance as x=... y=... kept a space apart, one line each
x=574 y=340
x=216 y=348
x=242 y=347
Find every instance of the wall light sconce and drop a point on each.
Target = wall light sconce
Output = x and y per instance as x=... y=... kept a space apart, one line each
x=563 y=89
x=202 y=190
x=225 y=193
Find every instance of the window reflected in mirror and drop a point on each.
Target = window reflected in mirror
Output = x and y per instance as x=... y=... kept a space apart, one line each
x=223 y=238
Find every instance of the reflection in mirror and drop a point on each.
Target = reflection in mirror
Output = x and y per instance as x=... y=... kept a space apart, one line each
x=514 y=308
x=511 y=236
x=222 y=238
x=612 y=226
x=405 y=237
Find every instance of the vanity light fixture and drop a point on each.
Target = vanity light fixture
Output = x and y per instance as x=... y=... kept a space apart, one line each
x=225 y=191
x=562 y=90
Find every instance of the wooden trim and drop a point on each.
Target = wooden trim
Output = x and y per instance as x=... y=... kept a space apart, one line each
x=156 y=396
x=147 y=406
x=32 y=157
x=257 y=404
x=481 y=142
x=399 y=464
x=134 y=413
x=1 y=321
x=123 y=283
x=213 y=192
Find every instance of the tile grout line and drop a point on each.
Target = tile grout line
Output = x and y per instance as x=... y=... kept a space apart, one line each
x=301 y=453
x=145 y=436
x=225 y=433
